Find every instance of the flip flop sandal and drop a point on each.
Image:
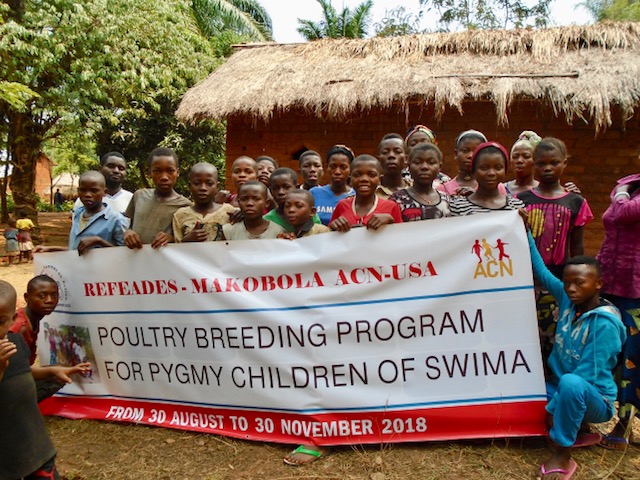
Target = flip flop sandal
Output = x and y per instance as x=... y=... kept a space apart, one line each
x=614 y=443
x=566 y=473
x=315 y=455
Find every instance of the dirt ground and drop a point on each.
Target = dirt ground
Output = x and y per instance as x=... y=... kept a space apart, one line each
x=89 y=450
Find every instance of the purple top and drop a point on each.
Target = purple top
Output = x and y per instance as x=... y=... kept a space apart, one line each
x=620 y=250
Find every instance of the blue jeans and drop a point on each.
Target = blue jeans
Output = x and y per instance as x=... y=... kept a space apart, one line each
x=577 y=401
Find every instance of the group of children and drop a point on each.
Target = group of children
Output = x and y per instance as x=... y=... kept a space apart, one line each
x=403 y=182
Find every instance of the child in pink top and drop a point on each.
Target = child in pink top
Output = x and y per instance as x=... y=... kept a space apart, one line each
x=366 y=208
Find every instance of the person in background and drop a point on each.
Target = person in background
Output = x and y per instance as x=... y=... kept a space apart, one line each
x=339 y=158
x=11 y=248
x=310 y=169
x=620 y=259
x=25 y=244
x=58 y=200
x=113 y=166
x=392 y=158
x=419 y=135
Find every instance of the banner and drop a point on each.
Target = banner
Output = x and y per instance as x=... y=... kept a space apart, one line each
x=420 y=331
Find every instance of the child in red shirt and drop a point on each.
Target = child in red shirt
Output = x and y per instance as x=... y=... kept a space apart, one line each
x=366 y=208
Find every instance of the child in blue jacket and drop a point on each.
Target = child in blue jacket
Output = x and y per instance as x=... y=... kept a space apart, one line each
x=588 y=340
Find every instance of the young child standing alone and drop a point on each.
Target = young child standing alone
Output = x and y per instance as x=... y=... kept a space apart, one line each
x=25 y=225
x=589 y=338
x=557 y=218
x=151 y=209
x=203 y=220
x=11 y=248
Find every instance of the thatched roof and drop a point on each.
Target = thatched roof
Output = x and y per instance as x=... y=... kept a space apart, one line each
x=580 y=71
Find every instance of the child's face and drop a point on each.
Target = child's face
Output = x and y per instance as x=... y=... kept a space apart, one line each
x=114 y=170
x=424 y=167
x=392 y=156
x=339 y=168
x=548 y=166
x=91 y=191
x=297 y=210
x=243 y=171
x=252 y=201
x=265 y=169
x=203 y=185
x=7 y=314
x=42 y=298
x=365 y=177
x=464 y=152
x=581 y=283
x=311 y=170
x=416 y=139
x=280 y=186
x=522 y=160
x=490 y=170
x=164 y=173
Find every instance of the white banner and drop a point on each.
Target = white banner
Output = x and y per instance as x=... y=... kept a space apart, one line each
x=418 y=331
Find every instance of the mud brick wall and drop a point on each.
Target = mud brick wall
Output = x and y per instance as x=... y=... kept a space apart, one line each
x=596 y=160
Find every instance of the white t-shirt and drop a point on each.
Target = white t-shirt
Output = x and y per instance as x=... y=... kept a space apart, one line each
x=118 y=202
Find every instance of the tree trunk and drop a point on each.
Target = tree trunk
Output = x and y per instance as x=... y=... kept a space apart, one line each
x=25 y=142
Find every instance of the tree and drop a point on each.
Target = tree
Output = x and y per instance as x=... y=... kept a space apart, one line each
x=348 y=23
x=489 y=14
x=398 y=22
x=612 y=9
x=94 y=61
x=244 y=17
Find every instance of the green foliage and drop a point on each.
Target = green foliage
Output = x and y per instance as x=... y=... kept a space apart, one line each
x=488 y=14
x=348 y=23
x=616 y=10
x=398 y=22
x=44 y=205
x=246 y=18
x=15 y=95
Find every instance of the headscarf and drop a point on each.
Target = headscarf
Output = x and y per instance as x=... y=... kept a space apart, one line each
x=528 y=139
x=426 y=130
x=470 y=133
x=343 y=149
x=484 y=146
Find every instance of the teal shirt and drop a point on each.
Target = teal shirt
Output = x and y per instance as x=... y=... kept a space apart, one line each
x=273 y=216
x=588 y=347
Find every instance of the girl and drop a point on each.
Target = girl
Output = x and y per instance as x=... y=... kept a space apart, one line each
x=366 y=208
x=392 y=157
x=522 y=165
x=421 y=134
x=11 y=246
x=421 y=201
x=24 y=225
x=557 y=218
x=488 y=166
x=339 y=158
x=464 y=182
x=203 y=220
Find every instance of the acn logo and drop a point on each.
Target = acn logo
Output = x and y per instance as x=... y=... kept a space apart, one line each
x=488 y=265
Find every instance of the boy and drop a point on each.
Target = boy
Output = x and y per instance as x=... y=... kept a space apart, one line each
x=589 y=338
x=94 y=224
x=27 y=451
x=113 y=166
x=204 y=219
x=151 y=209
x=393 y=159
x=310 y=169
x=252 y=199
x=41 y=299
x=300 y=212
x=282 y=182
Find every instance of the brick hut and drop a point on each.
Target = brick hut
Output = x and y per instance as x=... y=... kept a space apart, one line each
x=578 y=83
